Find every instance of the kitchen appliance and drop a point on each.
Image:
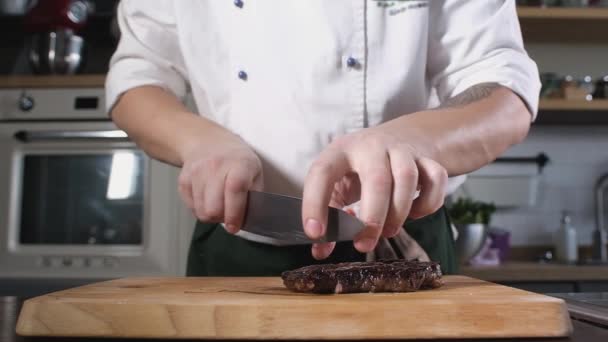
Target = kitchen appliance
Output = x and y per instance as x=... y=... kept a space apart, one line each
x=15 y=7
x=56 y=45
x=263 y=309
x=601 y=88
x=471 y=238
x=587 y=306
x=600 y=254
x=77 y=198
x=57 y=52
x=277 y=220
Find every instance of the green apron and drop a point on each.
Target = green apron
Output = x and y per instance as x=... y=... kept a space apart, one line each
x=214 y=252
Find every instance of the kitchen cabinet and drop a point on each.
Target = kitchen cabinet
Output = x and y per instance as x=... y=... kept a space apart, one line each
x=593 y=286
x=559 y=286
x=567 y=25
x=572 y=112
x=543 y=287
x=515 y=272
x=544 y=278
x=564 y=24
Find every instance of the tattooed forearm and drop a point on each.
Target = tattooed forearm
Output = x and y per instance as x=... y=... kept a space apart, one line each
x=474 y=93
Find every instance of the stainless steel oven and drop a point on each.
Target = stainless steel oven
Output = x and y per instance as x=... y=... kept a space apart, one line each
x=77 y=198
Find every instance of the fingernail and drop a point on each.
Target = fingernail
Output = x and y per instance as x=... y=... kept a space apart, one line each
x=231 y=228
x=317 y=252
x=313 y=228
x=365 y=245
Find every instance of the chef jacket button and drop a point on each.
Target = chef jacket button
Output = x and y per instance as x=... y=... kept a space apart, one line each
x=238 y=3
x=351 y=62
x=243 y=75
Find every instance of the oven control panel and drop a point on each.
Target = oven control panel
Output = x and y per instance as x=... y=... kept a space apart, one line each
x=77 y=262
x=52 y=104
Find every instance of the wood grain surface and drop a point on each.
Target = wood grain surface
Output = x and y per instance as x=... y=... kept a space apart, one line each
x=561 y=13
x=261 y=308
x=52 y=81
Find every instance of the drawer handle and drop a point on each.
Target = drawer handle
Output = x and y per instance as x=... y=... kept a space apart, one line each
x=108 y=135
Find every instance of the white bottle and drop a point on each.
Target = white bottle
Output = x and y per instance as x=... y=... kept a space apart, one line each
x=566 y=246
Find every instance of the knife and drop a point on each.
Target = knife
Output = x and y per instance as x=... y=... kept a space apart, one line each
x=277 y=220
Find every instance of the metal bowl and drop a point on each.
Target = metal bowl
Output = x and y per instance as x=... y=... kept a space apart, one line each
x=57 y=52
x=471 y=238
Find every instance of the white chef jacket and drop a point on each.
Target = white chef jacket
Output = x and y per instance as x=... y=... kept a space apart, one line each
x=289 y=76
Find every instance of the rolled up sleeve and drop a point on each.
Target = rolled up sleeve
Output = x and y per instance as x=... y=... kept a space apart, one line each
x=473 y=42
x=148 y=52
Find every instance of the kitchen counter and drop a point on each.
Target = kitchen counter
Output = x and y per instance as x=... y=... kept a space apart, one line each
x=534 y=271
x=10 y=306
x=71 y=81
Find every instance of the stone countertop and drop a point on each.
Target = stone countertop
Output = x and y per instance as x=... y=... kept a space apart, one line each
x=10 y=306
x=534 y=271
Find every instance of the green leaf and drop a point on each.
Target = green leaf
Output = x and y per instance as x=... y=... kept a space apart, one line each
x=467 y=210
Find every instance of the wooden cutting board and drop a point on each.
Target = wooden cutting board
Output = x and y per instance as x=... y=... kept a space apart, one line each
x=261 y=308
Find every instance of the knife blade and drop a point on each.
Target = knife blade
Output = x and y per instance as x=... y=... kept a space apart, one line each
x=277 y=219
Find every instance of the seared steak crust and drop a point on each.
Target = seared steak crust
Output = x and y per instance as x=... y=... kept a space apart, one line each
x=377 y=276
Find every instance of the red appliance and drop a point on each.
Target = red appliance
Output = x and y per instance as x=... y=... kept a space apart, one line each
x=56 y=44
x=54 y=15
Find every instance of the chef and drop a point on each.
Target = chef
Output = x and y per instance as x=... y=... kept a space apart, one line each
x=337 y=102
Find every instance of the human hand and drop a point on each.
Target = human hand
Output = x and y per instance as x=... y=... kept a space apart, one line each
x=214 y=182
x=382 y=167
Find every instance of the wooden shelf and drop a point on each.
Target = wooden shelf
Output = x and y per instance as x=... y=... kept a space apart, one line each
x=564 y=24
x=571 y=105
x=574 y=13
x=70 y=81
x=568 y=112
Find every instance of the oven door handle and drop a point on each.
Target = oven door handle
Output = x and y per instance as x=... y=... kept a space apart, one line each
x=92 y=135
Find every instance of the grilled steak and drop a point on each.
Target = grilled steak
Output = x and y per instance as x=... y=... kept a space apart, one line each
x=378 y=276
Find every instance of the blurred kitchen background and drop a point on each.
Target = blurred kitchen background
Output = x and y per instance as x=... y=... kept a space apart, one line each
x=534 y=219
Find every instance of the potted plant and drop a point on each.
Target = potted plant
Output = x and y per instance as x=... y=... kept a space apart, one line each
x=471 y=219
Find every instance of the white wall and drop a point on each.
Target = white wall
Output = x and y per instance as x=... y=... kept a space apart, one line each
x=579 y=156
